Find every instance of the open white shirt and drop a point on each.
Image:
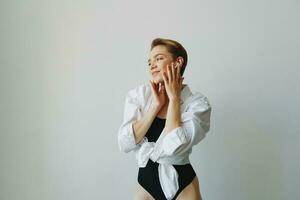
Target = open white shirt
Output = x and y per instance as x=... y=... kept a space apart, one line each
x=171 y=148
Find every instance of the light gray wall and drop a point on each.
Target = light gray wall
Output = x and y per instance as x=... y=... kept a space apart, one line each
x=67 y=65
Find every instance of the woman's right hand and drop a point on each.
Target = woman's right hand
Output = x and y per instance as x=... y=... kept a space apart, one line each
x=159 y=95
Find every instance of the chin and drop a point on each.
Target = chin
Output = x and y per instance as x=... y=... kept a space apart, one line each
x=157 y=80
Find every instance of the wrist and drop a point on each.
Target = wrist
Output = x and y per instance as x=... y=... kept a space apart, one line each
x=155 y=108
x=175 y=99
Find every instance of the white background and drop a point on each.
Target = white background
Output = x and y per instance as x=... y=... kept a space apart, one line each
x=67 y=65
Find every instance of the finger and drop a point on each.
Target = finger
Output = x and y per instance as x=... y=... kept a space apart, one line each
x=162 y=88
x=174 y=71
x=173 y=67
x=151 y=84
x=178 y=71
x=170 y=78
x=165 y=78
x=159 y=86
x=153 y=89
x=181 y=81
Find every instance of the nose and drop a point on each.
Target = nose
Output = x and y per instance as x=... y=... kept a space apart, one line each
x=153 y=65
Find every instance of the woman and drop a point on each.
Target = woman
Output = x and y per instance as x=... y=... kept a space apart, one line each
x=162 y=121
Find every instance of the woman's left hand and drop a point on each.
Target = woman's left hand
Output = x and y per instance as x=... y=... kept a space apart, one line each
x=173 y=81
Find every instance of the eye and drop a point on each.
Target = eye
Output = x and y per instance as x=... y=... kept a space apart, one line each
x=157 y=58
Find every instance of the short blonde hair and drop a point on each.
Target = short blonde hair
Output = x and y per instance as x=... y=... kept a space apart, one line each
x=174 y=48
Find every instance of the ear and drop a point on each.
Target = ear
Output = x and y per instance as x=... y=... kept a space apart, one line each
x=180 y=60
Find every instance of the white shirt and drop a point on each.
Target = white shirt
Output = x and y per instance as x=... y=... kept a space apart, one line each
x=170 y=148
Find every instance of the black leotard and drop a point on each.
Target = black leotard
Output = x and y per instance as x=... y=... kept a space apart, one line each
x=148 y=176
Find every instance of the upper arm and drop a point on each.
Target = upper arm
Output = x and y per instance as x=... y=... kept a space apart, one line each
x=134 y=101
x=126 y=138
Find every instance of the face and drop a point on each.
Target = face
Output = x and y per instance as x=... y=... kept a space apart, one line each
x=159 y=58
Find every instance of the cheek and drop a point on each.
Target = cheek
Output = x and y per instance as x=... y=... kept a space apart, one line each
x=164 y=69
x=164 y=66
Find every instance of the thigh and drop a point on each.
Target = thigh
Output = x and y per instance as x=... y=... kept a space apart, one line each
x=191 y=191
x=142 y=194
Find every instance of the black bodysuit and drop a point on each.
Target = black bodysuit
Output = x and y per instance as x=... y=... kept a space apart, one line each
x=148 y=176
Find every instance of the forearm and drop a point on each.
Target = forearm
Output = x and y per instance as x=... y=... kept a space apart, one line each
x=141 y=126
x=173 y=115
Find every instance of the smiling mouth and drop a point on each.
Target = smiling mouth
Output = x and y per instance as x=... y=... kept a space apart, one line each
x=155 y=73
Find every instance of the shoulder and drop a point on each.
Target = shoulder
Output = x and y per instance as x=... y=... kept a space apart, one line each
x=140 y=92
x=198 y=100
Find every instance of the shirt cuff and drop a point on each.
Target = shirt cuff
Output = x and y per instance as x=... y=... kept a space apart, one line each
x=126 y=138
x=173 y=140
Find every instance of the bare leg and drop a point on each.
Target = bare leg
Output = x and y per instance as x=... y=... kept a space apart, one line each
x=142 y=194
x=191 y=192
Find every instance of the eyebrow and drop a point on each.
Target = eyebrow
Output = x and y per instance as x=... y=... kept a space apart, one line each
x=156 y=55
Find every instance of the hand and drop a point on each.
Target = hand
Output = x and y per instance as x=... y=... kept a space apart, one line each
x=159 y=95
x=173 y=81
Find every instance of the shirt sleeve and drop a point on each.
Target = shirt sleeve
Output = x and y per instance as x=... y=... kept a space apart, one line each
x=195 y=123
x=132 y=112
